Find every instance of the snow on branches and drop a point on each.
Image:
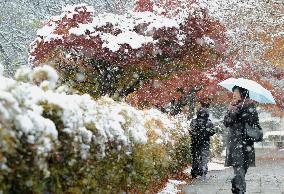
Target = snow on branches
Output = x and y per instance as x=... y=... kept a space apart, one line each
x=115 y=54
x=134 y=38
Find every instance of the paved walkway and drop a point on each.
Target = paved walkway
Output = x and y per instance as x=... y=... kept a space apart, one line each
x=266 y=178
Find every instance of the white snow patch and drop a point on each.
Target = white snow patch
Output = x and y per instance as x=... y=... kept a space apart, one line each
x=172 y=187
x=125 y=24
x=188 y=170
x=47 y=73
x=212 y=166
x=133 y=39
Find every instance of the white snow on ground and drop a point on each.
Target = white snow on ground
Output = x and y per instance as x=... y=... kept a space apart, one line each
x=188 y=170
x=172 y=187
x=212 y=166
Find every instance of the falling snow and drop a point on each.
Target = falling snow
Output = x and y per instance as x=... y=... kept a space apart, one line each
x=106 y=96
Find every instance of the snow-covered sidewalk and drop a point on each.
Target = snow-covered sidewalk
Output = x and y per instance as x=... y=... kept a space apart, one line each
x=173 y=186
x=266 y=178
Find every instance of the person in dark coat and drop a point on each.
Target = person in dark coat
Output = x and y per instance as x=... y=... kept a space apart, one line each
x=240 y=151
x=201 y=130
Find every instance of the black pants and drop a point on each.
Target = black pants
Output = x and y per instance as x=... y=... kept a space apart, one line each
x=200 y=154
x=239 y=182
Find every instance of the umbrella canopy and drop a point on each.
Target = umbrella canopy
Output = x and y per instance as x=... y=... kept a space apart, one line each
x=256 y=91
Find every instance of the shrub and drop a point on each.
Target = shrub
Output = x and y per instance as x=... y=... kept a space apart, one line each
x=56 y=142
x=216 y=146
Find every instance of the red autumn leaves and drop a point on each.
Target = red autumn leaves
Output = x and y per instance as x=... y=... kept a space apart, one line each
x=182 y=47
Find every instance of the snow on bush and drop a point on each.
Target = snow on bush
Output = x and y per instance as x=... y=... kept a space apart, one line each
x=100 y=121
x=44 y=76
x=50 y=130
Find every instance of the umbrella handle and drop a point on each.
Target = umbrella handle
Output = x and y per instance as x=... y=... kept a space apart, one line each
x=244 y=100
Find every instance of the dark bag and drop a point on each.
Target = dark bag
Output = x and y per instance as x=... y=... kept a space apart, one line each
x=253 y=133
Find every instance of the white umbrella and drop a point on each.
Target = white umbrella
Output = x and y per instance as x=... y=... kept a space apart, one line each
x=256 y=91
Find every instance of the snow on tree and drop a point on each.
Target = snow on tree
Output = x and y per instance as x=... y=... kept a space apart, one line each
x=154 y=49
x=111 y=36
x=114 y=54
x=19 y=20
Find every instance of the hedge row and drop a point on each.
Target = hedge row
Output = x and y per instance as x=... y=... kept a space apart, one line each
x=55 y=141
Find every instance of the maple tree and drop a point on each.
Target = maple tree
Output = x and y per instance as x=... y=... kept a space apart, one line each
x=176 y=63
x=192 y=41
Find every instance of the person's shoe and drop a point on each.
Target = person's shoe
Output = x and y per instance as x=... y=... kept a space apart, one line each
x=203 y=178
x=236 y=191
x=193 y=175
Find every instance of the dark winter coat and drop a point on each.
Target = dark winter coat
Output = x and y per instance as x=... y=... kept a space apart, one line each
x=239 y=150
x=201 y=128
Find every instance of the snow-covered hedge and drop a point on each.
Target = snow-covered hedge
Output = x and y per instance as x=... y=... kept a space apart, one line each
x=54 y=140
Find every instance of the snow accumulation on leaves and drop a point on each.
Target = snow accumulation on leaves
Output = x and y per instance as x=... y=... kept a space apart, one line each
x=113 y=32
x=47 y=31
x=88 y=122
x=164 y=127
x=125 y=23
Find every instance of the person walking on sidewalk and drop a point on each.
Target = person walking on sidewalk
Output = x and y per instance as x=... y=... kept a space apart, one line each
x=240 y=151
x=201 y=130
